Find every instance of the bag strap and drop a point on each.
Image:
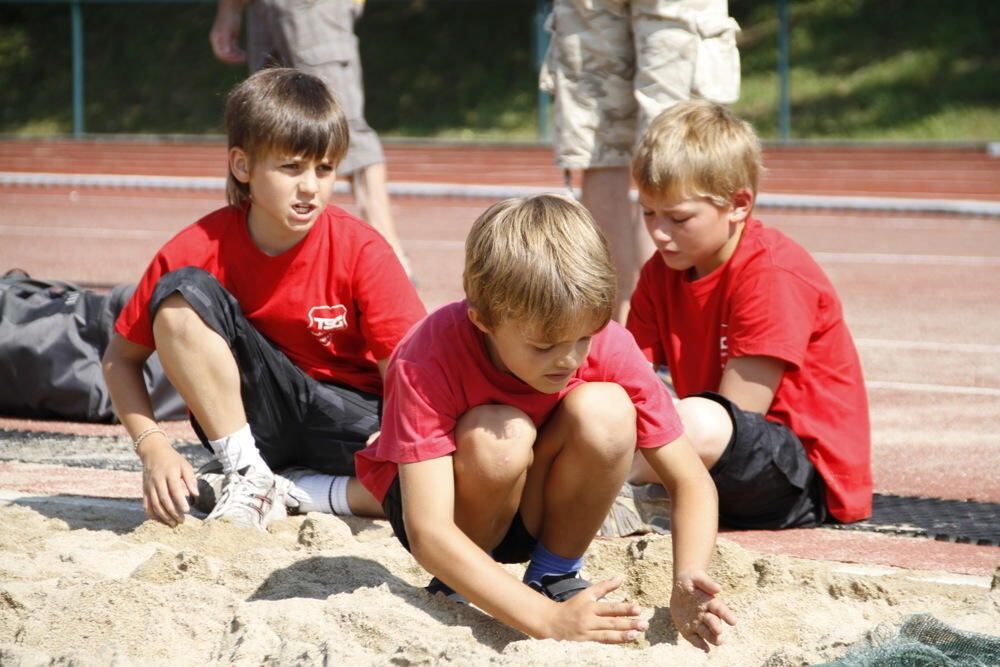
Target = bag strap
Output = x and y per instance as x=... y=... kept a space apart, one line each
x=35 y=285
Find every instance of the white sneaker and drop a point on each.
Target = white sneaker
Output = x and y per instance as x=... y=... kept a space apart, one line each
x=250 y=497
x=211 y=480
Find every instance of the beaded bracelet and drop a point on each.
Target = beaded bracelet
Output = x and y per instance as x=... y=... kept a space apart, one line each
x=142 y=436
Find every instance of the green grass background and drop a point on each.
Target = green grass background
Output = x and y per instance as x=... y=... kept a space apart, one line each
x=860 y=69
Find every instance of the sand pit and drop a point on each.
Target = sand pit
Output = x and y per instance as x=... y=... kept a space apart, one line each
x=89 y=582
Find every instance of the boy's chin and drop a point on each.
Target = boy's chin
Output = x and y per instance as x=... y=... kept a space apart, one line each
x=549 y=387
x=676 y=263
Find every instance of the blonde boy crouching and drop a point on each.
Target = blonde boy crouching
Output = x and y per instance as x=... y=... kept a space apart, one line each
x=510 y=422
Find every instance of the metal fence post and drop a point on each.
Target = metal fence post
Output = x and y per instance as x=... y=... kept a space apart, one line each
x=784 y=109
x=76 y=19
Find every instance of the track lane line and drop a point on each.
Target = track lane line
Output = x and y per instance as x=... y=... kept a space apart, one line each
x=936 y=388
x=932 y=346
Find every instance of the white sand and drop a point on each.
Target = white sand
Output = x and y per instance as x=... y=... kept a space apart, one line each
x=92 y=583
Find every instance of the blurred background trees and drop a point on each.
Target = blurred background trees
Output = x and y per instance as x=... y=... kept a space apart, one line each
x=465 y=69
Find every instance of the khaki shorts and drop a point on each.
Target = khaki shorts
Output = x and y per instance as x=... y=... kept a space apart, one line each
x=613 y=65
x=317 y=37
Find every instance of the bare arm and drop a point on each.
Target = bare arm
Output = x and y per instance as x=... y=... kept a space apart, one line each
x=750 y=382
x=225 y=33
x=167 y=477
x=441 y=547
x=695 y=607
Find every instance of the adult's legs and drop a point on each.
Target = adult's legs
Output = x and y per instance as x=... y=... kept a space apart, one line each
x=371 y=193
x=605 y=193
x=590 y=70
x=318 y=38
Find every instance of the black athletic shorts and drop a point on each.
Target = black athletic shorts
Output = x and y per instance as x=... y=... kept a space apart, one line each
x=295 y=419
x=515 y=547
x=764 y=478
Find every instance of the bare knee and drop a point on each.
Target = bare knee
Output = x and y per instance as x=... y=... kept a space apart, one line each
x=708 y=427
x=176 y=319
x=603 y=418
x=494 y=443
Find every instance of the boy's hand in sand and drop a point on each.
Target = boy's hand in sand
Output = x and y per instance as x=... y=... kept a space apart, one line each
x=584 y=617
x=167 y=481
x=697 y=611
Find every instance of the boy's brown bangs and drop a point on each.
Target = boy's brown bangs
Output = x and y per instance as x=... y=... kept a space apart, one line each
x=305 y=138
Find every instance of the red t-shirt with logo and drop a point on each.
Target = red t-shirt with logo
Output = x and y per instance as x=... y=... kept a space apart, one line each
x=334 y=303
x=769 y=299
x=442 y=369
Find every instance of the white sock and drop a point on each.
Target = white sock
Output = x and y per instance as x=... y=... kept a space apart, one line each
x=323 y=493
x=238 y=450
x=338 y=496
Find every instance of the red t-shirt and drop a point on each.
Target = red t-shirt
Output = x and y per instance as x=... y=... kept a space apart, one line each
x=442 y=369
x=769 y=299
x=334 y=303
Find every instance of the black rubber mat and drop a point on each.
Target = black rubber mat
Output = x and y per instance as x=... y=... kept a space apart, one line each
x=945 y=520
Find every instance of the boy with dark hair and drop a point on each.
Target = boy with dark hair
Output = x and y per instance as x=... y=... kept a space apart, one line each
x=510 y=424
x=772 y=394
x=274 y=318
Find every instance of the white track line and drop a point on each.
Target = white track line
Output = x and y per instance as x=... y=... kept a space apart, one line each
x=32 y=231
x=840 y=202
x=933 y=388
x=976 y=348
x=892 y=258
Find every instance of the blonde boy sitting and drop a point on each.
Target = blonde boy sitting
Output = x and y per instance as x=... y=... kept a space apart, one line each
x=772 y=393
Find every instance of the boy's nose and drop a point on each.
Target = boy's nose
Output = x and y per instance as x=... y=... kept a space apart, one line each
x=569 y=360
x=566 y=362
x=660 y=233
x=309 y=183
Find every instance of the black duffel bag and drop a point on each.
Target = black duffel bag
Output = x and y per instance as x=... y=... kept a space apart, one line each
x=52 y=337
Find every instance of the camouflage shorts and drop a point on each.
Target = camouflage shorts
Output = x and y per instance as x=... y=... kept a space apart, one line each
x=613 y=65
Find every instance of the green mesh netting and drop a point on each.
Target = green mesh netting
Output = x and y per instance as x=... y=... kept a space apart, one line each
x=922 y=641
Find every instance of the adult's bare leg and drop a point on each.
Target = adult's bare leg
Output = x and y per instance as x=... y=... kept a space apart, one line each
x=605 y=193
x=371 y=193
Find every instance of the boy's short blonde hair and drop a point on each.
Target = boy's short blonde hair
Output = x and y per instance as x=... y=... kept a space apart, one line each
x=283 y=110
x=697 y=149
x=540 y=261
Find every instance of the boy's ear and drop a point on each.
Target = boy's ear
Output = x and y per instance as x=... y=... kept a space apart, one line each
x=477 y=320
x=239 y=164
x=742 y=202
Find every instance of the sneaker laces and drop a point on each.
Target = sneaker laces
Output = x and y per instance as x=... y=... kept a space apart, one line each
x=249 y=497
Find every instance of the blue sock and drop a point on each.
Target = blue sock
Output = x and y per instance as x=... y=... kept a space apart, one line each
x=544 y=562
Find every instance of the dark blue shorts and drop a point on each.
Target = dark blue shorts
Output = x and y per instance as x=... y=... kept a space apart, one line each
x=764 y=478
x=295 y=419
x=515 y=547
